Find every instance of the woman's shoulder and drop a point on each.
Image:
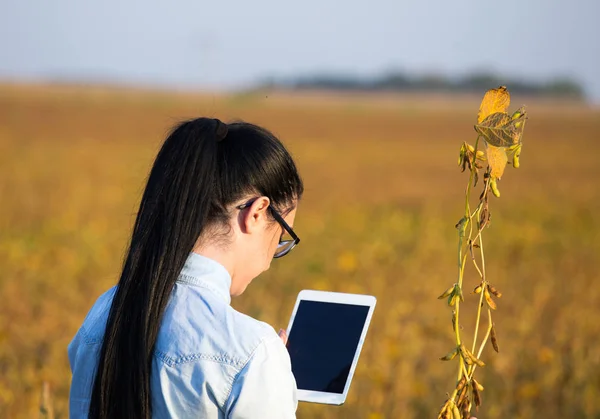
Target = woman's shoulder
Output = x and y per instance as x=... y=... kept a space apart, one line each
x=92 y=328
x=203 y=346
x=198 y=326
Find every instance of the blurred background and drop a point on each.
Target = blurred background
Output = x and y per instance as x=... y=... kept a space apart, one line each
x=374 y=100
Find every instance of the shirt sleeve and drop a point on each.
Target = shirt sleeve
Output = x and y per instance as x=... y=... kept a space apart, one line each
x=265 y=388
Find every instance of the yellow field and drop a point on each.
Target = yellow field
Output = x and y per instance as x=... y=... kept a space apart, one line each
x=383 y=193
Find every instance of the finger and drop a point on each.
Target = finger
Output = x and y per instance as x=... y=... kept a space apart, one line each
x=283 y=335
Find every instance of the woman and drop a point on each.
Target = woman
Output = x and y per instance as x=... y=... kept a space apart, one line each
x=165 y=342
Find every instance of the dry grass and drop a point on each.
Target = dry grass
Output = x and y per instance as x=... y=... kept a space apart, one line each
x=382 y=196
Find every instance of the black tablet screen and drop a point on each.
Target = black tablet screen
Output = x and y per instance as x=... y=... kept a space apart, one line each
x=322 y=344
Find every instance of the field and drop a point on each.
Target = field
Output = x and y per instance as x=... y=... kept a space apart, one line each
x=383 y=194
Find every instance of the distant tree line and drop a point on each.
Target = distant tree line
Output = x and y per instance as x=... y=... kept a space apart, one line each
x=401 y=82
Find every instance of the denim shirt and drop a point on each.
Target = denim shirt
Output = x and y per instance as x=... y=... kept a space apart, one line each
x=210 y=361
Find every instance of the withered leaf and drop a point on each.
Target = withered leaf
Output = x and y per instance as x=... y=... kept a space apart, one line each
x=499 y=130
x=494 y=100
x=497 y=159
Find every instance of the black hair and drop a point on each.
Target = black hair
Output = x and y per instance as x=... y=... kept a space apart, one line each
x=202 y=168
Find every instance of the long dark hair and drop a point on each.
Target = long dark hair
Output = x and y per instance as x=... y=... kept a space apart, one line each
x=203 y=166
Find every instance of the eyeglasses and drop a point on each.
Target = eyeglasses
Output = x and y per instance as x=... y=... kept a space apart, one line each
x=285 y=246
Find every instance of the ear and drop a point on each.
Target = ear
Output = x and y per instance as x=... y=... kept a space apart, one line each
x=254 y=217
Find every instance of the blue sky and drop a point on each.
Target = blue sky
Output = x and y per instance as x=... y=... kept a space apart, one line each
x=230 y=44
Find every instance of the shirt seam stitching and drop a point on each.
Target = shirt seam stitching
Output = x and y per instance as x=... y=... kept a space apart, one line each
x=220 y=406
x=197 y=282
x=186 y=359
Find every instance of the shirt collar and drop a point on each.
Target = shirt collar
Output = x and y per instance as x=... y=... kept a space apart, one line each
x=208 y=273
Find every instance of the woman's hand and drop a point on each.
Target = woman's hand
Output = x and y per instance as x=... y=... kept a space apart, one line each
x=283 y=335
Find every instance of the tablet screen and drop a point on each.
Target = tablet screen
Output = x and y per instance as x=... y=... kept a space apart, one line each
x=322 y=344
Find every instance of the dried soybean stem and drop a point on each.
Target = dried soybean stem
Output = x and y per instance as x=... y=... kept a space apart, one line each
x=462 y=258
x=487 y=334
x=483 y=342
x=483 y=285
x=477 y=322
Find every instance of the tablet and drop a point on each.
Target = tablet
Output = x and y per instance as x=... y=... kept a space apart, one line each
x=325 y=336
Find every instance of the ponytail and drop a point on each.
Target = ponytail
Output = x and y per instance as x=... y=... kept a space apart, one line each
x=174 y=211
x=202 y=167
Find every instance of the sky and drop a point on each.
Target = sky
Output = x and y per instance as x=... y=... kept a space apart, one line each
x=232 y=44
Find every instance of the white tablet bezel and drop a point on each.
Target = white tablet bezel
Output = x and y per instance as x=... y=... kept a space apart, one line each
x=343 y=298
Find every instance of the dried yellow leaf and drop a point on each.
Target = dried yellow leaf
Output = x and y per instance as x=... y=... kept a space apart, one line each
x=494 y=100
x=499 y=130
x=497 y=160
